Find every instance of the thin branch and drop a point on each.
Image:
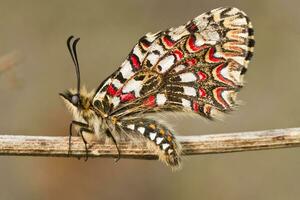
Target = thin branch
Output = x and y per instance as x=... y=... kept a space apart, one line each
x=14 y=145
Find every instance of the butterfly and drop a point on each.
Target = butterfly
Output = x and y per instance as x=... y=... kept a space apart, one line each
x=197 y=68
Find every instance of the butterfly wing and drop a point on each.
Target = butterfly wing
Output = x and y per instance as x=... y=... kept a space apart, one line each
x=196 y=67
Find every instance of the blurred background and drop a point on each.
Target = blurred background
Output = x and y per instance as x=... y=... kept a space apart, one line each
x=35 y=66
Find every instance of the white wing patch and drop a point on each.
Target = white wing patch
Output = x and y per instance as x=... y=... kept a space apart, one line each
x=166 y=63
x=187 y=77
x=190 y=91
x=161 y=99
x=126 y=70
x=133 y=85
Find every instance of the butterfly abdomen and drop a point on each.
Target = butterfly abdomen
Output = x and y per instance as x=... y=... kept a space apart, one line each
x=159 y=138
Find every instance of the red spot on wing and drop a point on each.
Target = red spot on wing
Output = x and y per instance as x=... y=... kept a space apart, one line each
x=167 y=41
x=192 y=45
x=135 y=61
x=202 y=93
x=202 y=76
x=178 y=54
x=150 y=101
x=119 y=92
x=127 y=97
x=195 y=106
x=191 y=61
x=220 y=76
x=218 y=95
x=211 y=56
x=111 y=90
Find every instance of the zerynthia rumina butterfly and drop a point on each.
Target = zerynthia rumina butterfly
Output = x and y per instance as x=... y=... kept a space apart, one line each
x=197 y=67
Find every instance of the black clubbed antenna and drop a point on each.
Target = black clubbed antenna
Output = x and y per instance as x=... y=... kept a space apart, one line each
x=72 y=49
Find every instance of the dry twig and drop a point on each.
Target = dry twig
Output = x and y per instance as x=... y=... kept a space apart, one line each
x=14 y=145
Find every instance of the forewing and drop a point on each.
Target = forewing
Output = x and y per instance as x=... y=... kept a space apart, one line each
x=198 y=66
x=109 y=87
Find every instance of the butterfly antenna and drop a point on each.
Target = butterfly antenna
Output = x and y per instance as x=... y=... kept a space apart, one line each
x=72 y=49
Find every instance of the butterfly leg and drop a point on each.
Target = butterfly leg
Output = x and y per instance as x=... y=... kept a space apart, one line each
x=81 y=130
x=108 y=133
x=71 y=131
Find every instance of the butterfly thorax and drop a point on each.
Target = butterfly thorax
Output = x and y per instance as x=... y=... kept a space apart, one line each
x=84 y=112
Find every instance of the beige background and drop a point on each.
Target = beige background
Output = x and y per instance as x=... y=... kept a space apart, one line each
x=30 y=104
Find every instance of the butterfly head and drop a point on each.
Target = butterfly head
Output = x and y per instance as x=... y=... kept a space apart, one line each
x=75 y=101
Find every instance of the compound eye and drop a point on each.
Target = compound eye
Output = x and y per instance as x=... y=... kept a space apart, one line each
x=75 y=99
